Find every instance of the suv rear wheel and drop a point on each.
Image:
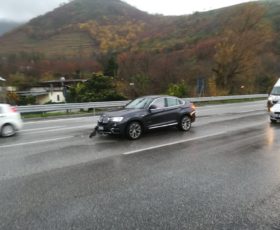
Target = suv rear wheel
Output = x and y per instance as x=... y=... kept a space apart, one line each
x=134 y=130
x=185 y=123
x=273 y=121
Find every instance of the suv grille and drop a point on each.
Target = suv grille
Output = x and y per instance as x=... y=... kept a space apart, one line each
x=104 y=119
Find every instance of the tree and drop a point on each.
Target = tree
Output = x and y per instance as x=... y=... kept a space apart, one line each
x=135 y=69
x=236 y=54
x=12 y=98
x=27 y=100
x=141 y=84
x=97 y=88
x=111 y=69
x=21 y=81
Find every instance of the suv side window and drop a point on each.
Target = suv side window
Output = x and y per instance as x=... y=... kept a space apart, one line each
x=180 y=102
x=173 y=102
x=159 y=103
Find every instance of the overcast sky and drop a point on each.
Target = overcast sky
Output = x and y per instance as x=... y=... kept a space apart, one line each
x=23 y=10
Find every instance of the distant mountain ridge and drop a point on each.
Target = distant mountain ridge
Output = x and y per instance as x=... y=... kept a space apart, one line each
x=79 y=11
x=90 y=27
x=66 y=30
x=6 y=26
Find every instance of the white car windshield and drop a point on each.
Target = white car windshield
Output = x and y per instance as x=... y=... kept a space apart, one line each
x=276 y=90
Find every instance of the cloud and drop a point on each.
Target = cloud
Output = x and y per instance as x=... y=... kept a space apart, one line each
x=23 y=10
x=179 y=7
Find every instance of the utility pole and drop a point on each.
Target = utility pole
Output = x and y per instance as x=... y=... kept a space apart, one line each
x=62 y=80
x=200 y=86
x=3 y=90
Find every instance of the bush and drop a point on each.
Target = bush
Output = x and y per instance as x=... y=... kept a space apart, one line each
x=97 y=88
x=178 y=90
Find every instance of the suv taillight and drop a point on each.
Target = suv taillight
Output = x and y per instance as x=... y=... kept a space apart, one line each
x=193 y=106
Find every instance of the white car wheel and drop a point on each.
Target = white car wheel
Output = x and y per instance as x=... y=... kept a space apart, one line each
x=8 y=130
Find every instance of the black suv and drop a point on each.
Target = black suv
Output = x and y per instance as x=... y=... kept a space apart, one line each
x=146 y=113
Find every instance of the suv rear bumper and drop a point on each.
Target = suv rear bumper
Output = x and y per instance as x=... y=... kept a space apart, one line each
x=193 y=116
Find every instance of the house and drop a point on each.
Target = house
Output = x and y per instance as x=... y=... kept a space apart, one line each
x=51 y=91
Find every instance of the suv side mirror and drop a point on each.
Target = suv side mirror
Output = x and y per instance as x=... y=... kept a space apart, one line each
x=152 y=107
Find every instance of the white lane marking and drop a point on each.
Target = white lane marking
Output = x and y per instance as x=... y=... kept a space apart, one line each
x=45 y=128
x=63 y=119
x=35 y=142
x=208 y=108
x=232 y=113
x=206 y=120
x=234 y=105
x=241 y=104
x=62 y=129
x=174 y=143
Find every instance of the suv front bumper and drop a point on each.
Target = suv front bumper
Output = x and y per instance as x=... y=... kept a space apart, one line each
x=275 y=116
x=110 y=128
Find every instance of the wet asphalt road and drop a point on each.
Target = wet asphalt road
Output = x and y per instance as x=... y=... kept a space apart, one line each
x=223 y=174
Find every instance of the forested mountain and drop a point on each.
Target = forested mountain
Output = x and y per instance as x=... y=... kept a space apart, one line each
x=81 y=26
x=231 y=50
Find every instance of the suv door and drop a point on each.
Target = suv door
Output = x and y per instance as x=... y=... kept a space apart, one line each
x=173 y=108
x=161 y=115
x=156 y=114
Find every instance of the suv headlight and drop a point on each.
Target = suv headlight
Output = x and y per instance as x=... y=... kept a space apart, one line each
x=116 y=119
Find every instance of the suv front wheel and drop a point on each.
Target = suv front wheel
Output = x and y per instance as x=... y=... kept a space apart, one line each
x=134 y=130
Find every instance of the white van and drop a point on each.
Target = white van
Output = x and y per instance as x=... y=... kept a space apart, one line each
x=274 y=96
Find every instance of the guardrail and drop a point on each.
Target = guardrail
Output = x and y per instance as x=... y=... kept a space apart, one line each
x=222 y=98
x=70 y=106
x=113 y=104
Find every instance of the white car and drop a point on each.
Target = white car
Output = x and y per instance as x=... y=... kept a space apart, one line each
x=10 y=120
x=275 y=113
x=274 y=96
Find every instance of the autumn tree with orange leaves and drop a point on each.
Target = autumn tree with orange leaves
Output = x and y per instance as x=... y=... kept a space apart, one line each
x=237 y=53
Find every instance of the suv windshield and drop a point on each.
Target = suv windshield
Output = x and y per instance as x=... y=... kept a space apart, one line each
x=276 y=90
x=139 y=103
